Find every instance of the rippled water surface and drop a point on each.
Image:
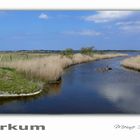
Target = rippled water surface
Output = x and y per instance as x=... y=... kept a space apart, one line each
x=85 y=90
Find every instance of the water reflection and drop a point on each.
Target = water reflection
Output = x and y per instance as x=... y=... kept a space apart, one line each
x=125 y=97
x=54 y=89
x=49 y=90
x=4 y=101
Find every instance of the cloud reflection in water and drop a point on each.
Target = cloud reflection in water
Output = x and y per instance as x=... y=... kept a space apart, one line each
x=124 y=96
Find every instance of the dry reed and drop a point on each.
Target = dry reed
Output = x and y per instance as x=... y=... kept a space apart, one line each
x=51 y=67
x=132 y=63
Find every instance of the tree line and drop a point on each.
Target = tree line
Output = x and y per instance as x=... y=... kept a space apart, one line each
x=83 y=50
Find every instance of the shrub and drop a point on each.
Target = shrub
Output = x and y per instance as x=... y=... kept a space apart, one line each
x=68 y=52
x=87 y=50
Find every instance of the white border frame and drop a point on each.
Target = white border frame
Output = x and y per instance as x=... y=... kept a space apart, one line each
x=69 y=4
x=72 y=126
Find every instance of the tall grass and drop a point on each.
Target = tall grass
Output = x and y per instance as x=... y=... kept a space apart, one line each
x=20 y=56
x=50 y=67
x=132 y=63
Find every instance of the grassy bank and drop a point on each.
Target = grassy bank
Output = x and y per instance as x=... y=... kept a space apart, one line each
x=13 y=82
x=132 y=63
x=24 y=69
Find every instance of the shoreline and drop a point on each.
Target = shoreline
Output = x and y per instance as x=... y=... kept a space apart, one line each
x=132 y=63
x=7 y=95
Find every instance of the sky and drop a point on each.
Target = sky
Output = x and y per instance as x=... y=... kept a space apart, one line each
x=58 y=30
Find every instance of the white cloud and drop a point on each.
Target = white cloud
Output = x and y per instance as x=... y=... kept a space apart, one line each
x=107 y=16
x=128 y=23
x=43 y=16
x=84 y=33
x=129 y=26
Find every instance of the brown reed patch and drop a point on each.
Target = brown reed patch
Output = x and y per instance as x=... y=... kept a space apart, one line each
x=51 y=67
x=132 y=63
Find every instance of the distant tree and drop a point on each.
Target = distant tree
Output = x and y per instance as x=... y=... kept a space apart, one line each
x=87 y=50
x=68 y=52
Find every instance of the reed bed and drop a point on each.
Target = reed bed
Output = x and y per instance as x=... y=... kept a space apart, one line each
x=108 y=56
x=50 y=67
x=20 y=56
x=132 y=63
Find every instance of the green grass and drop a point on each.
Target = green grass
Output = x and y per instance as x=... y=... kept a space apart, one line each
x=13 y=82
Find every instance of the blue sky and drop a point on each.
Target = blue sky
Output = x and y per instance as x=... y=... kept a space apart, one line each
x=57 y=30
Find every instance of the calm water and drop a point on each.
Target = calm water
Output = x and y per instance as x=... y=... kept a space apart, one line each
x=85 y=90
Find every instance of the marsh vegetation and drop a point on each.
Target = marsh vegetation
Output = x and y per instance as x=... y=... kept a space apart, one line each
x=132 y=63
x=29 y=71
